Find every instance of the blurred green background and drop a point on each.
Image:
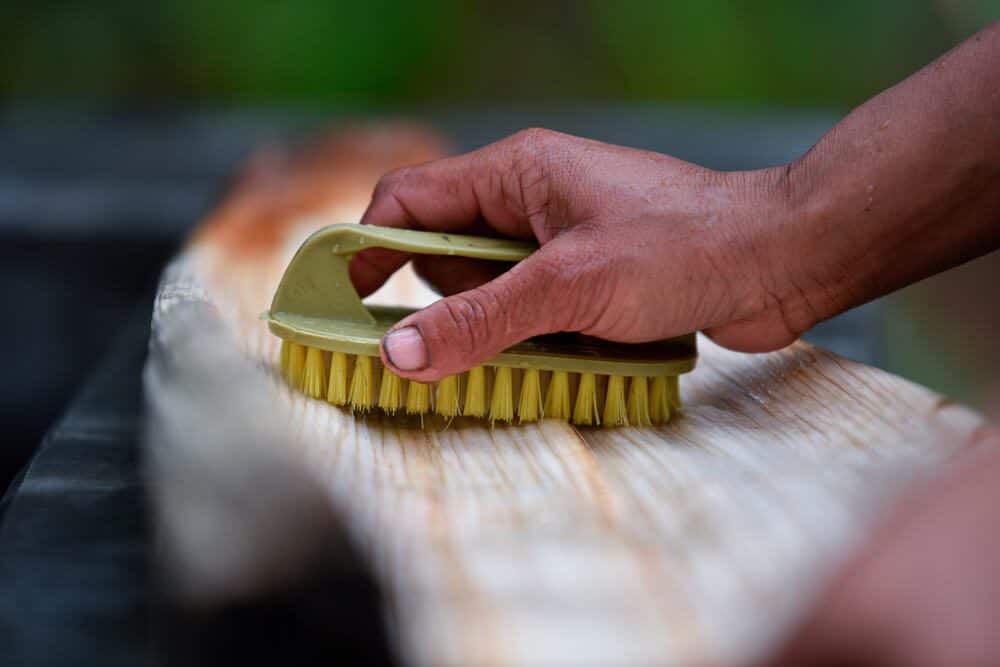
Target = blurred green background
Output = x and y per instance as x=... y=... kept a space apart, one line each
x=393 y=52
x=398 y=55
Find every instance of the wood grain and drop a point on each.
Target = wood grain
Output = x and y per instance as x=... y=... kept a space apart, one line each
x=690 y=543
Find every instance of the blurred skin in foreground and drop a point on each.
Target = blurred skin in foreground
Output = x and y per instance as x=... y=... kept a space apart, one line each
x=638 y=246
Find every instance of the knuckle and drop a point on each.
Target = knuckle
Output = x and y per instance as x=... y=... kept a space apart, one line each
x=391 y=181
x=469 y=321
x=531 y=135
x=532 y=140
x=528 y=187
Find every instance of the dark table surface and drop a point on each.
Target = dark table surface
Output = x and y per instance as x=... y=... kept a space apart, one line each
x=73 y=559
x=91 y=206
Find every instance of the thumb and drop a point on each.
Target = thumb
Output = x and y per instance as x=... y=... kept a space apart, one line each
x=456 y=333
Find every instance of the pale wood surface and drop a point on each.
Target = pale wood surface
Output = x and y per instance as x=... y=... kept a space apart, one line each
x=538 y=544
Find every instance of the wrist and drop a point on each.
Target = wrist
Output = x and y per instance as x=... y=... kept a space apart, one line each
x=786 y=219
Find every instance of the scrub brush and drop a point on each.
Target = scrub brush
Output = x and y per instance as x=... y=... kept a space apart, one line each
x=330 y=347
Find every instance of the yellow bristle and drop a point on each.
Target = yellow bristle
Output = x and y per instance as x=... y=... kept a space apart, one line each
x=557 y=397
x=336 y=392
x=675 y=391
x=390 y=393
x=530 y=405
x=475 y=393
x=615 y=413
x=659 y=400
x=418 y=398
x=502 y=402
x=296 y=364
x=447 y=403
x=286 y=351
x=638 y=402
x=362 y=384
x=585 y=409
x=314 y=378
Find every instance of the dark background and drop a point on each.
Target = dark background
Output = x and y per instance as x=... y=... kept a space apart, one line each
x=119 y=122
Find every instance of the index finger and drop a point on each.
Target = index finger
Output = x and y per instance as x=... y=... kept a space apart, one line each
x=449 y=195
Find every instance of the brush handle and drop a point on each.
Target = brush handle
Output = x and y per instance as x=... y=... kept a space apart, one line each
x=316 y=283
x=353 y=238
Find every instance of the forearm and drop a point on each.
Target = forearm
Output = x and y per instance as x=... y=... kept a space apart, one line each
x=907 y=185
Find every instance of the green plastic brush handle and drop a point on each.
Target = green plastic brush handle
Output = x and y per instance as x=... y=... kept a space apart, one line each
x=316 y=282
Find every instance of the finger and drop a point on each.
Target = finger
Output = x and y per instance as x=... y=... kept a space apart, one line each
x=370 y=268
x=763 y=333
x=460 y=331
x=451 y=275
x=500 y=183
x=507 y=184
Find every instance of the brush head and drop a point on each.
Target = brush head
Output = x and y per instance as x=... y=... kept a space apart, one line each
x=497 y=393
x=331 y=347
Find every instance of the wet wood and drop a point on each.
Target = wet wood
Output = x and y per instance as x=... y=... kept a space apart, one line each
x=544 y=543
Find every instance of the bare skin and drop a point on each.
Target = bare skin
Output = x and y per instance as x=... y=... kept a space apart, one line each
x=638 y=246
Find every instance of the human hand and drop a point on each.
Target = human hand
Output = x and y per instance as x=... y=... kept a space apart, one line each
x=926 y=590
x=638 y=246
x=635 y=246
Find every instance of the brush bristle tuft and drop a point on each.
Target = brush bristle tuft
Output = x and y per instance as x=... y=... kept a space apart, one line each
x=390 y=392
x=475 y=392
x=296 y=365
x=557 y=397
x=502 y=401
x=529 y=406
x=336 y=391
x=585 y=409
x=615 y=412
x=637 y=405
x=314 y=377
x=673 y=385
x=363 y=384
x=285 y=363
x=659 y=400
x=418 y=398
x=447 y=403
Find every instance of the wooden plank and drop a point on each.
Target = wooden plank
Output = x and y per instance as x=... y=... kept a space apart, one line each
x=542 y=543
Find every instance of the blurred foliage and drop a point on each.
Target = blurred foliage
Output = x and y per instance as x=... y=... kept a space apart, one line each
x=393 y=52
